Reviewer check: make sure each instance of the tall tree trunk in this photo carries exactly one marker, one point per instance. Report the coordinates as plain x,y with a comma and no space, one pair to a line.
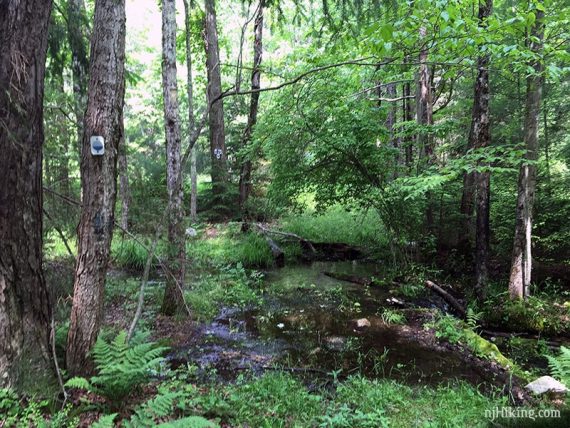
245,173
103,117
216,117
124,183
25,310
173,298
77,36
191,119
425,118
521,265
480,137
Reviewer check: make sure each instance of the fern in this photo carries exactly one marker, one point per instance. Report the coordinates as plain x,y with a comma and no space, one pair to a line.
153,410
105,421
473,318
161,407
560,365
189,422
121,367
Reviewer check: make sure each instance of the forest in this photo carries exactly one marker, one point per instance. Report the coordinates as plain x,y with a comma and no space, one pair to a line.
284,213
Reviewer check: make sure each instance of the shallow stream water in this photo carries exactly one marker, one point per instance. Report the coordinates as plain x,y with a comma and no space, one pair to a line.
312,327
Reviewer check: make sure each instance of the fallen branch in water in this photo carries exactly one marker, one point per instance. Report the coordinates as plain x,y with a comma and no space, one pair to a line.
447,297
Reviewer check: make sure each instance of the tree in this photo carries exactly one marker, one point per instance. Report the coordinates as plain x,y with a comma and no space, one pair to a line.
25,310
172,295
216,116
480,137
521,264
245,174
103,117
77,30
124,183
191,119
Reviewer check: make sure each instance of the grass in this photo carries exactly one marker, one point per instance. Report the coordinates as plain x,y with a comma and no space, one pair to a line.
230,286
279,400
338,225
227,245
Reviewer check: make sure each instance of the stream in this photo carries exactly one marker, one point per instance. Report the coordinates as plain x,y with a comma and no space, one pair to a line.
319,325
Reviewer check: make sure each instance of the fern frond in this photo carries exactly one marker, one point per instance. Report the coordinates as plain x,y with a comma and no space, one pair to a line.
189,422
79,383
105,421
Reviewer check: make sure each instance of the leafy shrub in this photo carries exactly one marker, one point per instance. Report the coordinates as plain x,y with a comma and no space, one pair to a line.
22,414
121,367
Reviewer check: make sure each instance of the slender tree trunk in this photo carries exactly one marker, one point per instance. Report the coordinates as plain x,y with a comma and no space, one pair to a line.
391,120
245,174
124,183
191,119
25,310
521,265
480,137
408,117
216,117
103,117
177,253
425,119
77,38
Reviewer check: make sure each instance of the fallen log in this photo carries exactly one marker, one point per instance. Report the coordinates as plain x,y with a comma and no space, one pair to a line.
265,230
447,297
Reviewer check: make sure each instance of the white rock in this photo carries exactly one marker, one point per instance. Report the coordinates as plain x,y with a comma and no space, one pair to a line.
191,232
362,323
281,325
546,384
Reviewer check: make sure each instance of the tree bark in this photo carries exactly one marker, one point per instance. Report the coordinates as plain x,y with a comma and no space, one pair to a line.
77,36
245,173
480,137
191,119
25,310
103,117
124,184
173,298
521,265
216,118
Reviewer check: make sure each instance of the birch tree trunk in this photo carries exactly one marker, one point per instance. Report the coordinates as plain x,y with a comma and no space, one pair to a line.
103,117
25,310
216,117
191,119
245,174
480,137
173,298
521,264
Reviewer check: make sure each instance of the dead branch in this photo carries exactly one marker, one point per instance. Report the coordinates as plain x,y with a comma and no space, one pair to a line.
447,297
